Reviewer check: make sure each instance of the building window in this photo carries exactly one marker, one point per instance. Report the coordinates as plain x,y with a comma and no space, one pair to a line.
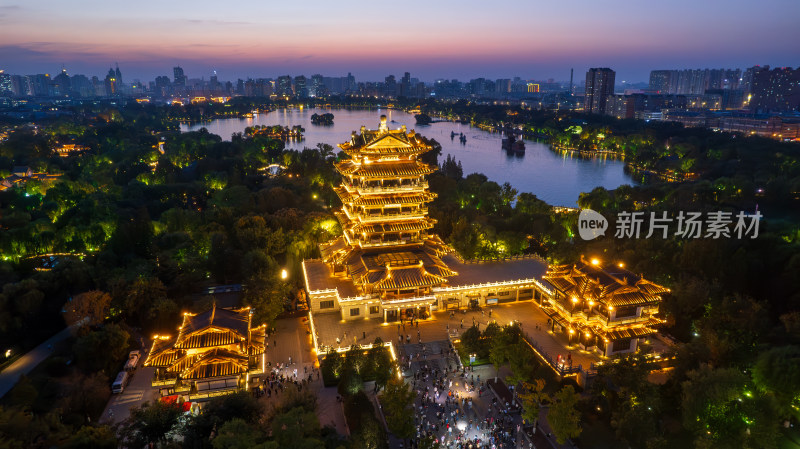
355,311
505,293
374,309
326,304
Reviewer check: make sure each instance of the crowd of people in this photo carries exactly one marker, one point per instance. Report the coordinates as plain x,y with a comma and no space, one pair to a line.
454,405
282,376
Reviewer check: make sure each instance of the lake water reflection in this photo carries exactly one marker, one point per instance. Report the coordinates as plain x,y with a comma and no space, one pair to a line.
554,178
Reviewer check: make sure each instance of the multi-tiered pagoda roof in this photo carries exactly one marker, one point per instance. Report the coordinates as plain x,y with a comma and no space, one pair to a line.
385,247
216,343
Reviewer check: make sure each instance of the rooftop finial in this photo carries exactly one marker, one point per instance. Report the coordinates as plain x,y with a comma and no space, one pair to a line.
384,128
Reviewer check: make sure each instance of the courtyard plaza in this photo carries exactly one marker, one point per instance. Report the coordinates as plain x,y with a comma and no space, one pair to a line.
441,324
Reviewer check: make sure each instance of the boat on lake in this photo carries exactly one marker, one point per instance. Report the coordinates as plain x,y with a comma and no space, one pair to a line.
511,144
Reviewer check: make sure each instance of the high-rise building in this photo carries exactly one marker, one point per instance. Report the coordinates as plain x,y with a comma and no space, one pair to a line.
776,90
405,85
179,78
746,83
599,86
660,81
390,86
317,86
162,85
62,86
300,86
6,85
112,87
284,85
82,86
39,85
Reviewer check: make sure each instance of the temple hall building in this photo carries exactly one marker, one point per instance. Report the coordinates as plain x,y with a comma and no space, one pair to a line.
602,308
214,353
387,265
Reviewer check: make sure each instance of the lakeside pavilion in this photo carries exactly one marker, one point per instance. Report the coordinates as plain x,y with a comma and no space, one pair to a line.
387,266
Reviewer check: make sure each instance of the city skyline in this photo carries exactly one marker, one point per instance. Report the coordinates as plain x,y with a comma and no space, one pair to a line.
432,40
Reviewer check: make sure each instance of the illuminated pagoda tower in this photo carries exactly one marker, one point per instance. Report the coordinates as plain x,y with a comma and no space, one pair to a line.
214,353
386,249
604,308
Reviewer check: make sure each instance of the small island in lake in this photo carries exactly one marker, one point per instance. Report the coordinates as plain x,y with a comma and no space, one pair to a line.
423,119
275,132
323,119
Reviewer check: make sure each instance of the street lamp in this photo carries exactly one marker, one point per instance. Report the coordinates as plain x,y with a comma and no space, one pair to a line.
284,274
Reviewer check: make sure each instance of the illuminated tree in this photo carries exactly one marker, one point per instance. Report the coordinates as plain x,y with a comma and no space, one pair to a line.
532,397
563,417
397,400
92,305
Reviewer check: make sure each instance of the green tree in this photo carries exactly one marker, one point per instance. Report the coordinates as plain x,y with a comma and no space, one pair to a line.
563,416
92,305
383,367
532,397
777,372
397,400
92,437
296,429
236,434
149,423
712,405
141,295
103,349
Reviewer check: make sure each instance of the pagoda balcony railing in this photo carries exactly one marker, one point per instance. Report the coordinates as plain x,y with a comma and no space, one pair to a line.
363,190
627,320
421,213
597,317
368,244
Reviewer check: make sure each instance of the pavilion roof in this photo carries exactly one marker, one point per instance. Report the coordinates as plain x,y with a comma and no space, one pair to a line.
384,142
380,170
216,363
614,287
215,327
407,277
380,200
400,226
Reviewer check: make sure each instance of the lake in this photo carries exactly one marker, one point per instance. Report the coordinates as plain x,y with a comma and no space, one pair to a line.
555,178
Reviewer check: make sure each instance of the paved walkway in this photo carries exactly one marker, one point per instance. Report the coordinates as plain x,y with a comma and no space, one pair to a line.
330,327
29,361
291,347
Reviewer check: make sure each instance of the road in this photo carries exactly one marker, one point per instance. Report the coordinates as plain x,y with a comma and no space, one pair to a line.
138,391
29,361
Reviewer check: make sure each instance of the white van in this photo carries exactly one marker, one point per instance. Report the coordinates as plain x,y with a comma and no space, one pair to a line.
133,360
120,383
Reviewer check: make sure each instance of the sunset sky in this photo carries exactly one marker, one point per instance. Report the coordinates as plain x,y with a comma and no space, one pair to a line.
431,39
